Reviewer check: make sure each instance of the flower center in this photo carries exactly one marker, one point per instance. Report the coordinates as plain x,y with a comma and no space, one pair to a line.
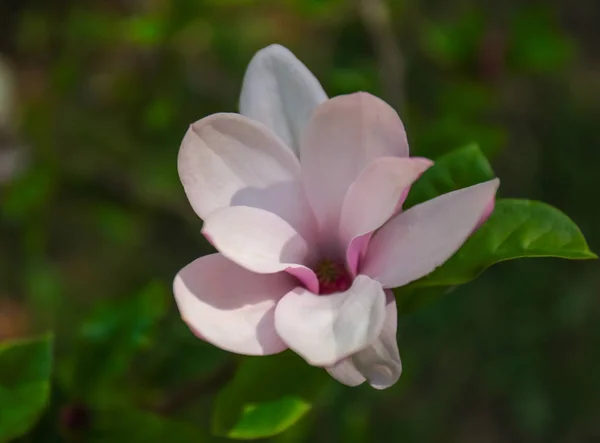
333,277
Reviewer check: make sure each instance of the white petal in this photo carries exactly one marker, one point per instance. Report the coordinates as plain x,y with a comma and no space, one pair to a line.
417,241
345,135
345,372
258,240
280,92
323,329
380,362
230,307
229,160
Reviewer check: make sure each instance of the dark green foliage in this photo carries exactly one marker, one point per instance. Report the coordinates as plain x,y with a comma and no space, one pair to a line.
25,370
94,229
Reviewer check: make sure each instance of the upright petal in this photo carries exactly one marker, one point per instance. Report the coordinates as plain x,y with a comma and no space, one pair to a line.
230,307
229,160
345,134
380,362
259,241
326,329
415,242
373,198
280,92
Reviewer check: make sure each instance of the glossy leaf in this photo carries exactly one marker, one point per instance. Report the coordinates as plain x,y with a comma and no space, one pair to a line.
516,229
459,169
267,396
25,369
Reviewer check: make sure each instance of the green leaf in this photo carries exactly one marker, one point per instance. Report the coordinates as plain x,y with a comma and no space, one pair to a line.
25,368
109,340
267,396
516,229
459,169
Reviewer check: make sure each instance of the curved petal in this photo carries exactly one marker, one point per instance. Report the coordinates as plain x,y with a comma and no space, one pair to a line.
379,363
230,307
306,276
229,160
259,241
346,373
345,134
415,242
325,329
373,198
280,92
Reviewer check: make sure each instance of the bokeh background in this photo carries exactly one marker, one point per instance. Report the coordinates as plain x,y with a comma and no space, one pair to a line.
95,97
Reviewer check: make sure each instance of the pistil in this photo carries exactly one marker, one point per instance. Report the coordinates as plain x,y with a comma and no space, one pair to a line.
333,277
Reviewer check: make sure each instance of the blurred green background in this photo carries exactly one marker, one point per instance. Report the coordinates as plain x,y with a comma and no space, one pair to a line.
95,97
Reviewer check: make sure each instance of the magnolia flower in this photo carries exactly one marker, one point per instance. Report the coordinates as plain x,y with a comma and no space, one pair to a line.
301,196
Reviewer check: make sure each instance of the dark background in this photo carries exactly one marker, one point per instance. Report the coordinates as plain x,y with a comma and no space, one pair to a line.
93,215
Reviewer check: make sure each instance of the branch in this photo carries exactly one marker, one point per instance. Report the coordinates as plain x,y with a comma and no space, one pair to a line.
375,15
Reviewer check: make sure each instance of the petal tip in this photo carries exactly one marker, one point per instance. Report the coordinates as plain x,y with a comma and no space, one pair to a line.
275,49
382,377
423,161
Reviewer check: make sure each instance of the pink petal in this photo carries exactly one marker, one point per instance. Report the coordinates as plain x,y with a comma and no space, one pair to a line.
415,242
355,252
345,134
486,213
280,92
305,276
229,306
326,329
373,198
379,363
229,160
257,240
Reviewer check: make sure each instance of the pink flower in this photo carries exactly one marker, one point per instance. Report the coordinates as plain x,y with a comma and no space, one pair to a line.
302,198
